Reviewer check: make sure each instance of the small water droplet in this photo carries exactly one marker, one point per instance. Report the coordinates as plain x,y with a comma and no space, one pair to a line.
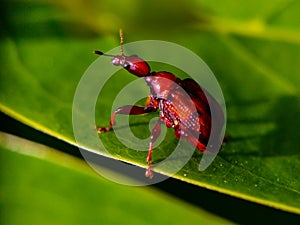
184,175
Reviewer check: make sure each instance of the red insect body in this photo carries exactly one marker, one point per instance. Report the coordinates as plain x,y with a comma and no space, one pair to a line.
183,104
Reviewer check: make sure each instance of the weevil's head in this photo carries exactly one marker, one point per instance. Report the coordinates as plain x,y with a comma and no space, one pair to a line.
133,64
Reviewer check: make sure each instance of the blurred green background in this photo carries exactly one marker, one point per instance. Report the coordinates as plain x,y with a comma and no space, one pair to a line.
252,47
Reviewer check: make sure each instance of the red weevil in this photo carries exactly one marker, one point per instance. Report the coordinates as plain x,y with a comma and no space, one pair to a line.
176,110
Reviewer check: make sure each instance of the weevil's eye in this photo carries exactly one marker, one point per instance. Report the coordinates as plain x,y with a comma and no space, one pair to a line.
126,65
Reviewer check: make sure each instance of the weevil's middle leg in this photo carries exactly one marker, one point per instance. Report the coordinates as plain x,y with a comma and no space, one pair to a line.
154,135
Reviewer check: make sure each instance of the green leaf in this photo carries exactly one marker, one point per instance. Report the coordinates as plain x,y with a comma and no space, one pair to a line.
253,49
40,185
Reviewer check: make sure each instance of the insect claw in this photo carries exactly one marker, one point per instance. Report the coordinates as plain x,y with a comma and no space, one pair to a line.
101,130
149,172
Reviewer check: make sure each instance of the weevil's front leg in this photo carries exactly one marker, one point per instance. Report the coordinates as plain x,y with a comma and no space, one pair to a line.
154,135
128,110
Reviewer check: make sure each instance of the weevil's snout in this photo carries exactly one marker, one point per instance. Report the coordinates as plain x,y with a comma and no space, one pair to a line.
133,64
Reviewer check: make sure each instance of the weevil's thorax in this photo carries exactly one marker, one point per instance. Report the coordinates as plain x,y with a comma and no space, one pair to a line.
133,64
161,84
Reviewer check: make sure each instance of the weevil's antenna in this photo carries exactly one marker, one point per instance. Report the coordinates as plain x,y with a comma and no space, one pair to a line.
101,53
121,41
121,46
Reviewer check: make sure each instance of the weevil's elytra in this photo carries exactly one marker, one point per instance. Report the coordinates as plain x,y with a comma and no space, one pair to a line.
183,104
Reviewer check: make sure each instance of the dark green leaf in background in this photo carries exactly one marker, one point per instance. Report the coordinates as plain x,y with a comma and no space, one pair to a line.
38,182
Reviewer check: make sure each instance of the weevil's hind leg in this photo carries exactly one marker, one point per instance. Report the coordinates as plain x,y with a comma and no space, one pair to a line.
154,135
202,147
128,110
195,142
190,138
